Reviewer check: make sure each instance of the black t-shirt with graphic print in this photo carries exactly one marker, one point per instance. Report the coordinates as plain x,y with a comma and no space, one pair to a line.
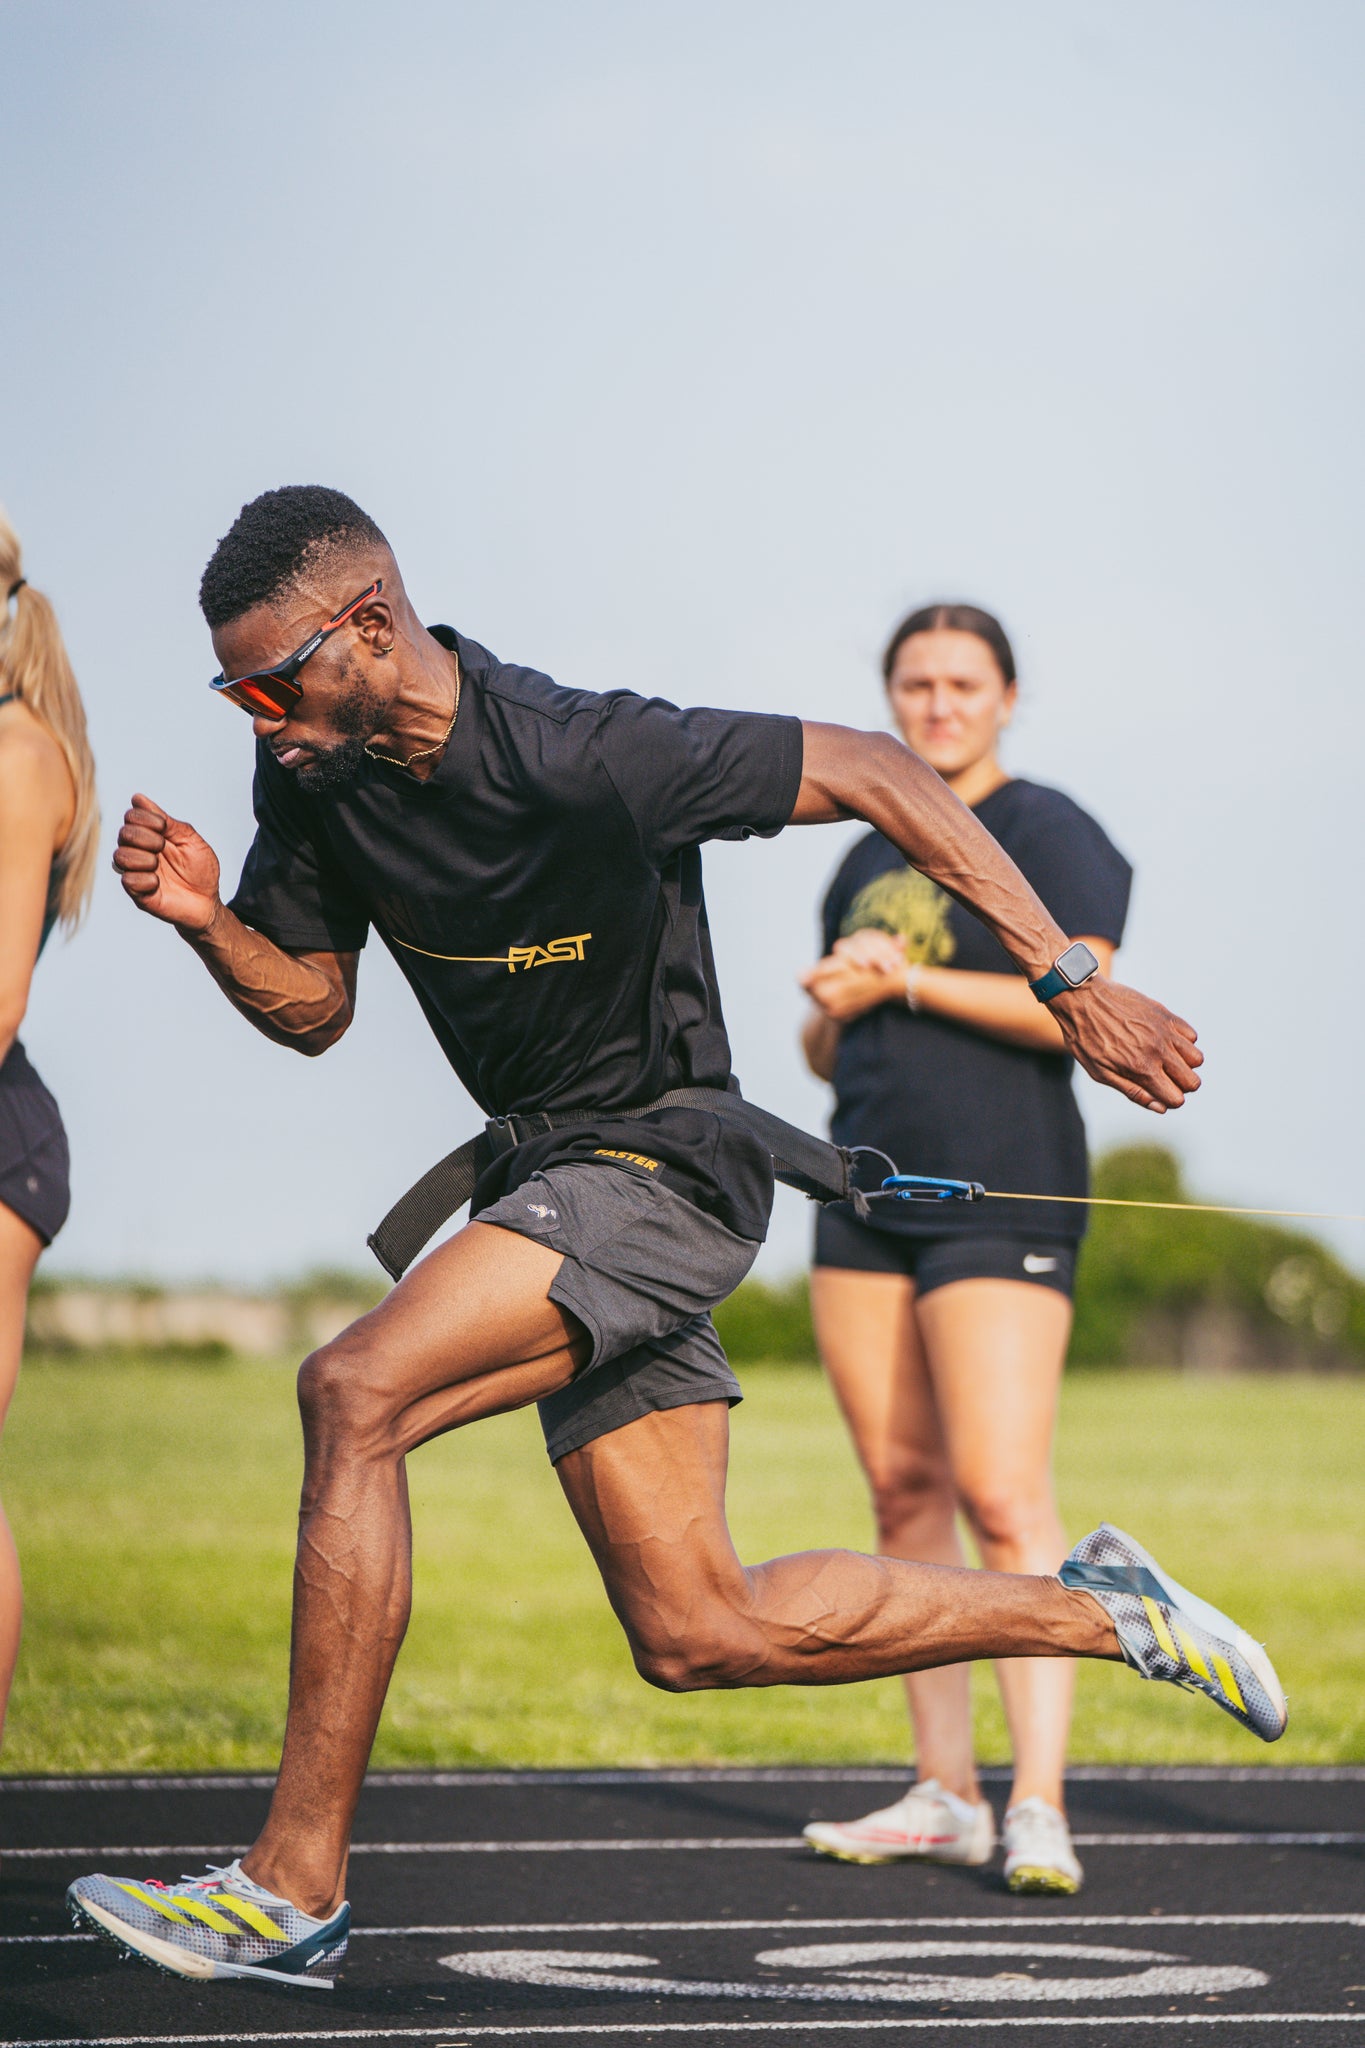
938,1096
542,894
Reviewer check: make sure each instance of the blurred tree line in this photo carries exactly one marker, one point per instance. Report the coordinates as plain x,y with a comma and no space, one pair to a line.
1206,1293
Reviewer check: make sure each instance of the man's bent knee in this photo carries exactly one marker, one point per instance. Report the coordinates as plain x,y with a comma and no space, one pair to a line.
342,1395
697,1669
725,1651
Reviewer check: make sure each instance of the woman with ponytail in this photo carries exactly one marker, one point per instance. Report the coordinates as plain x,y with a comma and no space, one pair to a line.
49,826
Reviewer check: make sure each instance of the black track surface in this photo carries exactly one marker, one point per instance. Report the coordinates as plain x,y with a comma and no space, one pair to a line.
587,1866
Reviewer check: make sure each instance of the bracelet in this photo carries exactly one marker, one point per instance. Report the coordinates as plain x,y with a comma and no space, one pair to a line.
912,980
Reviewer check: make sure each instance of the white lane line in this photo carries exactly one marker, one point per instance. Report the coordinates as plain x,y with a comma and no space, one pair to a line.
723,1774
646,2030
1260,1838
1216,1840
1148,1921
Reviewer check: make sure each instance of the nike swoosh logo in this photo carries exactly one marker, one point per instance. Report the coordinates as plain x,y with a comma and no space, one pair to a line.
1035,1263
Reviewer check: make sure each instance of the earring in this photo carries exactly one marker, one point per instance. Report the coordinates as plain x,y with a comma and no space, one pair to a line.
380,652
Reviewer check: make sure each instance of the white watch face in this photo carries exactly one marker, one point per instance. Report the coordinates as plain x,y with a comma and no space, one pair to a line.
1077,964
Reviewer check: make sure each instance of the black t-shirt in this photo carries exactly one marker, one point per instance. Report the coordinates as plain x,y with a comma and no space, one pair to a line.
938,1096
542,894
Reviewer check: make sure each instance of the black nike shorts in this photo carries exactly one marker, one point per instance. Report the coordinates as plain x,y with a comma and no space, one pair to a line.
34,1163
643,1268
841,1240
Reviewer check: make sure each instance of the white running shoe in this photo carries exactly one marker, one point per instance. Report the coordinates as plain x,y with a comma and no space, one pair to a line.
218,1925
928,1825
1166,1632
1038,1852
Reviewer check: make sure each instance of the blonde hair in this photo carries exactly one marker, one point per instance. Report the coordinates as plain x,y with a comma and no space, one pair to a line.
35,666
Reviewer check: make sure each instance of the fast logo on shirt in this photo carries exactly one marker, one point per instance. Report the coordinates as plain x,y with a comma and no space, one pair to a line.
909,906
526,957
634,1158
515,959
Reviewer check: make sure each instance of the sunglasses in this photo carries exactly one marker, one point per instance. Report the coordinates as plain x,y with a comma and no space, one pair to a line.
274,691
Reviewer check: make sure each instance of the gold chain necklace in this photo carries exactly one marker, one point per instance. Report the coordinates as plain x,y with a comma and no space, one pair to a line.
393,759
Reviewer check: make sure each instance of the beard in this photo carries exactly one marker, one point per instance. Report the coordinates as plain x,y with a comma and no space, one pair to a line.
357,715
333,769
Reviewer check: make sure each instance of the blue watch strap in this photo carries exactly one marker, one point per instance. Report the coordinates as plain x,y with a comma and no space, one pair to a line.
1049,985
1071,969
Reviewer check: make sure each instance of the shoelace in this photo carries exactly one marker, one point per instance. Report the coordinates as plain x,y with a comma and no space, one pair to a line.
1050,1833
933,1797
218,1877
1045,1823
215,1877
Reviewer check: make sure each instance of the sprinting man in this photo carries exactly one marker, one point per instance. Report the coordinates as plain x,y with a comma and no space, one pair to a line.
530,857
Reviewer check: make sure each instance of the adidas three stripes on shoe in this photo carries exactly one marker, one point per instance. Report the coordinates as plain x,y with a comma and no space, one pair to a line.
218,1925
1166,1632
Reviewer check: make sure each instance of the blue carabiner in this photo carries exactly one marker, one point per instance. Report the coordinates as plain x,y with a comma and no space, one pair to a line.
929,1187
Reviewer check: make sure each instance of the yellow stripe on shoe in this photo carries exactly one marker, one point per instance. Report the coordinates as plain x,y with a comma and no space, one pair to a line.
208,1916
184,1910
1194,1656
258,1921
1159,1628
1228,1682
158,1905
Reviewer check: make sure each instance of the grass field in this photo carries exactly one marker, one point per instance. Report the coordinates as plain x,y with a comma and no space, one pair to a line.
154,1509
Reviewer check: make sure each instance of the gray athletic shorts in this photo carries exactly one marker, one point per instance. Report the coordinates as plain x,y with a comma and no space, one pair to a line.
643,1268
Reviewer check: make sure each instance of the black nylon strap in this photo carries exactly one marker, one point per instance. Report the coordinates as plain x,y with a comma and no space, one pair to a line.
816,1168
1113,1578
418,1215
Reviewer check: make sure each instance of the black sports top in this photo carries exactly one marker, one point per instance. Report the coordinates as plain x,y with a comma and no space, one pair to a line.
938,1096
542,895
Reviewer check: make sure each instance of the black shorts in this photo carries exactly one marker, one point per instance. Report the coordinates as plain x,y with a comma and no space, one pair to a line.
34,1162
643,1268
841,1240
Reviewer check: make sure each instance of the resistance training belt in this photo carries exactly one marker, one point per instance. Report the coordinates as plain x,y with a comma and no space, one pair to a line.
811,1165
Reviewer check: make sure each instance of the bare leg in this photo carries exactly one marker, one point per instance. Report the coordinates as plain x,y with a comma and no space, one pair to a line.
996,1349
20,1248
470,1332
650,1499
868,1336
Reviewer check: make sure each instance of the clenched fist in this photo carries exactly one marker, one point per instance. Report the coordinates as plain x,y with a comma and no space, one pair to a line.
167,869
1130,1042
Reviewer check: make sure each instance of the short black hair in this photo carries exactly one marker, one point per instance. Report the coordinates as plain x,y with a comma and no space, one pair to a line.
271,541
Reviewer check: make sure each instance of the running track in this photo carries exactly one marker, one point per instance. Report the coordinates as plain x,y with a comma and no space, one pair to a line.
641,1907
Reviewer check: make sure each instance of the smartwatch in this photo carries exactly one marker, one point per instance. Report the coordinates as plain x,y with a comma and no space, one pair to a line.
1068,970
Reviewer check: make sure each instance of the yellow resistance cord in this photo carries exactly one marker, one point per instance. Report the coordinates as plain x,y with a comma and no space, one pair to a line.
1205,1208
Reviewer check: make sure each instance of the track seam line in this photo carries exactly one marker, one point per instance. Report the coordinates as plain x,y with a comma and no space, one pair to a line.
1268,1838
475,1780
939,1922
643,2029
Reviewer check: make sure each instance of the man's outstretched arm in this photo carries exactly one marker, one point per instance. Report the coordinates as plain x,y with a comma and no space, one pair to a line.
305,1000
1119,1036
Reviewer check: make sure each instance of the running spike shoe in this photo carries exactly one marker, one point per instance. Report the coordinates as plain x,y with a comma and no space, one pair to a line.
1165,1632
218,1925
1039,1857
928,1825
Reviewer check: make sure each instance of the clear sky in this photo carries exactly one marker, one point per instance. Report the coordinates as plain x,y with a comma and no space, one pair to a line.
682,347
